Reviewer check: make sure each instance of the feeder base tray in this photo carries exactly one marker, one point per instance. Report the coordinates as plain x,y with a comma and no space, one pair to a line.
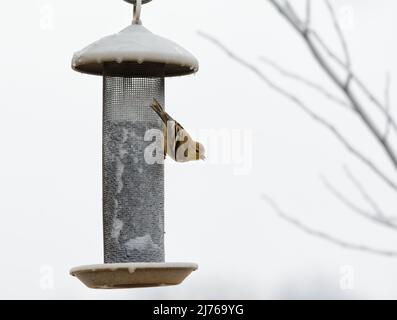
133,275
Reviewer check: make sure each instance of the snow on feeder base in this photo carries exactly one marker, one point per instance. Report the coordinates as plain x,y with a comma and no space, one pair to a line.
133,64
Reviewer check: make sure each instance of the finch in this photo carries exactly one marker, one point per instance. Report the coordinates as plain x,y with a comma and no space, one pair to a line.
177,142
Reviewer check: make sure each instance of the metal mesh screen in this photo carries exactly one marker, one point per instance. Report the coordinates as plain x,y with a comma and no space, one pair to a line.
133,191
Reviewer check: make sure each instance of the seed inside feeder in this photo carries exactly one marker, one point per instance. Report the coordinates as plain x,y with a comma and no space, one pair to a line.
133,189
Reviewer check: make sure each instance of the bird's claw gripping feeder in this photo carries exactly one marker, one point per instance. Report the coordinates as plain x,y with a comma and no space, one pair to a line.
133,64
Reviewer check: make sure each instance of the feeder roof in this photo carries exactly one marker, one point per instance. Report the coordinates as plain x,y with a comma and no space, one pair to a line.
135,51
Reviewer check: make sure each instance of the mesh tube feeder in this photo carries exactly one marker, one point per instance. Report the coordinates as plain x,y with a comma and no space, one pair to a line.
133,64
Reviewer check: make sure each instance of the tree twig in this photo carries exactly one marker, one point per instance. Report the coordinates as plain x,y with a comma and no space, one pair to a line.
285,11
323,235
387,106
354,77
359,109
342,41
364,192
308,13
290,11
306,82
307,110
353,207
306,32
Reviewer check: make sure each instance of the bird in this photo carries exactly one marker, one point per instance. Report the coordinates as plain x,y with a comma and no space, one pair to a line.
178,144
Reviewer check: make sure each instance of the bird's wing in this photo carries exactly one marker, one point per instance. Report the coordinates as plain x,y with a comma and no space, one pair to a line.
164,116
175,134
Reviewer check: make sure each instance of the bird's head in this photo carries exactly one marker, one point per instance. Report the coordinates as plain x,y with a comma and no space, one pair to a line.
200,151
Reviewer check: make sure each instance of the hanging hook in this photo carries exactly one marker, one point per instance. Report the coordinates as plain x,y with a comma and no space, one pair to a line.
137,12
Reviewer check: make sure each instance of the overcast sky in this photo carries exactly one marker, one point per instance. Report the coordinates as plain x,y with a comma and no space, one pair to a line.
50,169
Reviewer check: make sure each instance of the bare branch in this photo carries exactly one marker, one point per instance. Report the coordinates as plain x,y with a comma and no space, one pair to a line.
363,192
292,13
323,235
308,13
285,12
342,41
306,82
362,114
300,104
347,65
359,109
387,106
324,46
348,203
360,84
376,102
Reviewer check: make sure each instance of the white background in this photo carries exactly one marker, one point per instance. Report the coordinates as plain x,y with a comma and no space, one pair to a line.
50,165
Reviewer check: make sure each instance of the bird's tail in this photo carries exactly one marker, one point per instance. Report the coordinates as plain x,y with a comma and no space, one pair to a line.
156,106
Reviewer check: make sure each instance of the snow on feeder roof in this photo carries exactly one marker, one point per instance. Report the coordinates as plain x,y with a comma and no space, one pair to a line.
135,51
133,64
135,45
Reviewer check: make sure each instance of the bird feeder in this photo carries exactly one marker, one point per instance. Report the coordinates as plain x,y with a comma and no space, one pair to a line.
133,64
